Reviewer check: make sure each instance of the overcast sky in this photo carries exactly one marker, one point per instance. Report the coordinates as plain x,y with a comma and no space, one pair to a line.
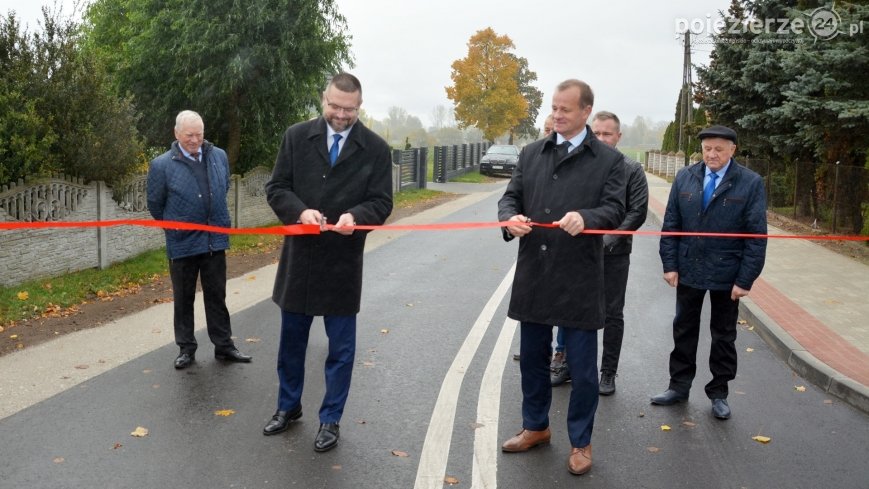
628,50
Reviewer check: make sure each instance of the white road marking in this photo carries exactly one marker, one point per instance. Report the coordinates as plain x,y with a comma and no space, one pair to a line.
485,468
436,449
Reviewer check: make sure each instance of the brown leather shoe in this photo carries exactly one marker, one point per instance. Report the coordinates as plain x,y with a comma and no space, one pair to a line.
525,440
580,460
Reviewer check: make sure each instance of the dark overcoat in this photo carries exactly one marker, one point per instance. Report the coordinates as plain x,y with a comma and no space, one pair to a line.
559,278
321,274
737,206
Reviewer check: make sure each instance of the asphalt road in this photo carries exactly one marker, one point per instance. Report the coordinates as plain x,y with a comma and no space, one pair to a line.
434,380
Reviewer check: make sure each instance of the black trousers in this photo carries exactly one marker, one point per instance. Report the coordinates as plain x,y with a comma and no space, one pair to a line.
686,332
615,282
211,269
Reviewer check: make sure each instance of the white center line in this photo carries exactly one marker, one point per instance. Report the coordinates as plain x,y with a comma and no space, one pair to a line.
436,449
485,468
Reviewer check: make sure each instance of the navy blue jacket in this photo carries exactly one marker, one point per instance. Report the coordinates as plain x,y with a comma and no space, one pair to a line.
174,195
737,206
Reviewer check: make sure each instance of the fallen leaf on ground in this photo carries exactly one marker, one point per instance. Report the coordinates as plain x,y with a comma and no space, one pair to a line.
23,295
665,427
641,415
361,421
139,432
741,393
408,304
828,401
252,277
800,388
751,328
252,340
12,337
451,480
653,449
147,371
384,331
117,445
688,424
399,453
761,439
58,460
82,367
367,364
742,321
224,412
749,350
336,467
2,329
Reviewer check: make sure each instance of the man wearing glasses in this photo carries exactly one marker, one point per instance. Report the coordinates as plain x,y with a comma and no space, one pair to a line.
329,170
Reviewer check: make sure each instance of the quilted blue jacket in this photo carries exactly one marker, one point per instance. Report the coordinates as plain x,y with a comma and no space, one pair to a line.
174,195
737,206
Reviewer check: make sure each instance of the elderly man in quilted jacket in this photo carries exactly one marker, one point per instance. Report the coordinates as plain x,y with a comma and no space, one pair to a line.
189,183
716,195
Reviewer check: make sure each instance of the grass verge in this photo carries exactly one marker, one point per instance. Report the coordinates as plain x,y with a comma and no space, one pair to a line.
36,298
409,198
471,177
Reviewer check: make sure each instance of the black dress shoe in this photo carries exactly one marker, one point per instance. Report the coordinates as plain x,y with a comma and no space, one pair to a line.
669,397
327,437
281,421
184,360
607,385
720,409
232,355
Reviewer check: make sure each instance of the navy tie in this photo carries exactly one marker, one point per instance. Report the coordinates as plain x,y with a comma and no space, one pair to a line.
709,189
563,149
333,151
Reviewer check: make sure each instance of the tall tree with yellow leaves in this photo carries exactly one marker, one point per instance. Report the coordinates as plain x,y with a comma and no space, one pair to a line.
485,89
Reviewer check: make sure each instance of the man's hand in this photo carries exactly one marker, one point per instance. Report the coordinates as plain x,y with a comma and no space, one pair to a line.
311,216
671,278
572,222
738,292
521,228
344,224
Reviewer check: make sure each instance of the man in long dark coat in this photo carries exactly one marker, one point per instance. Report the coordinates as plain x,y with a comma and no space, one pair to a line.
577,182
329,170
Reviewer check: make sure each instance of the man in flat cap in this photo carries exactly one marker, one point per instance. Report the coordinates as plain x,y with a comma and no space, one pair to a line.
716,195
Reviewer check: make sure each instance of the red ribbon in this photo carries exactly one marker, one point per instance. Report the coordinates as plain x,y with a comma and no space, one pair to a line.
309,229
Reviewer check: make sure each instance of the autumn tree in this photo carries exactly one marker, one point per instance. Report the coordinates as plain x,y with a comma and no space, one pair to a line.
485,88
249,68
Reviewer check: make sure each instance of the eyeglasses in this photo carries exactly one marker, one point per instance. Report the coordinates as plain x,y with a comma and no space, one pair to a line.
338,108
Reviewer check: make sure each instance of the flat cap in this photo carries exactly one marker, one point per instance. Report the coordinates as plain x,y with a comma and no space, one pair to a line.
718,132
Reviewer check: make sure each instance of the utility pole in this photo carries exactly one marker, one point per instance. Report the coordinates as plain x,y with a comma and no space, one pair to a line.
686,104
